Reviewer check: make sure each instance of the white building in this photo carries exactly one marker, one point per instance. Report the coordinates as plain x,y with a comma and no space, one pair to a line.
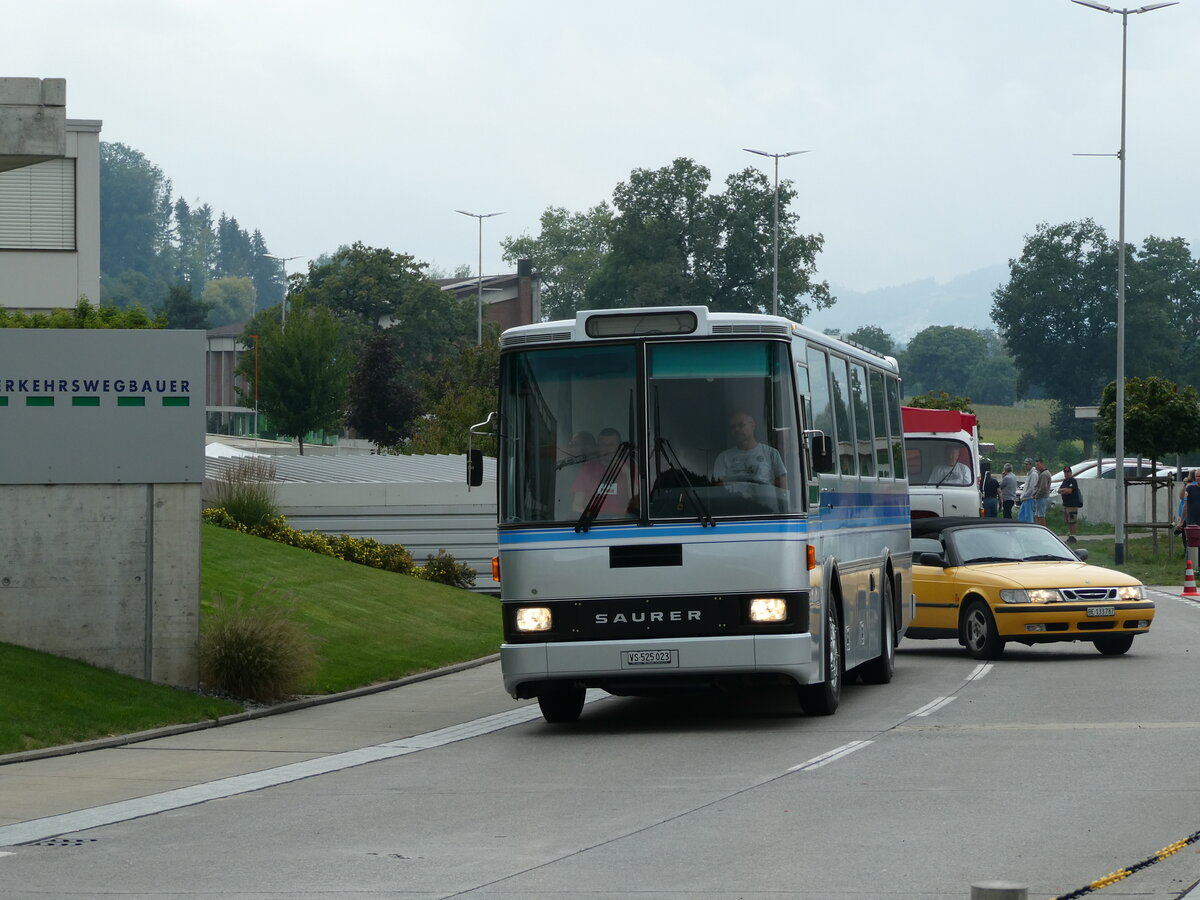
49,198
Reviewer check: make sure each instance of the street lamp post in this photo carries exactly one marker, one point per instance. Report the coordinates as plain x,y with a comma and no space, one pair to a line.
255,336
283,261
479,298
1119,441
775,224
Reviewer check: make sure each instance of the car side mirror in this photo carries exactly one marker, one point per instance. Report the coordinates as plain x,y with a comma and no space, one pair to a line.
933,559
1082,554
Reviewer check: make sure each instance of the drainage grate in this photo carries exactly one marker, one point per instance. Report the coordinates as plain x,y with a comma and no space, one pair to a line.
64,842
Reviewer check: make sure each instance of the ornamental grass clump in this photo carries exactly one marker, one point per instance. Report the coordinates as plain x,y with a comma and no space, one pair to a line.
255,650
246,491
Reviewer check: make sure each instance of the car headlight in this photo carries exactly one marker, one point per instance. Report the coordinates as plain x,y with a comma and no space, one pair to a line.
1131,592
1037,595
533,618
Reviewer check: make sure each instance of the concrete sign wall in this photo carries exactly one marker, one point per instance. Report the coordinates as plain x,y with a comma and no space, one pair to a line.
101,470
96,406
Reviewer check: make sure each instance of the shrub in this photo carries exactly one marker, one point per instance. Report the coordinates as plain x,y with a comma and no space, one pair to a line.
246,491
255,651
364,551
445,569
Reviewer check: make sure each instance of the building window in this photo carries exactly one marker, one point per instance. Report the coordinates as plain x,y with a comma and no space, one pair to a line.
37,206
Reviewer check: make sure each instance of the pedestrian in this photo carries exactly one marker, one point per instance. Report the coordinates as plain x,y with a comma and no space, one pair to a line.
1028,489
1181,520
1041,498
1191,501
1072,501
1009,486
991,494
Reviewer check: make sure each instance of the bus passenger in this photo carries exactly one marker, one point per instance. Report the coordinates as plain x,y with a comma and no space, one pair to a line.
619,494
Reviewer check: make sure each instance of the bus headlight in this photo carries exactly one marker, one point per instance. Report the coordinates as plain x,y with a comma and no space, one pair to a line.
768,609
533,618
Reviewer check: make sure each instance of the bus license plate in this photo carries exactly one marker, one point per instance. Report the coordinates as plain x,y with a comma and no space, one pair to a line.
648,657
1094,611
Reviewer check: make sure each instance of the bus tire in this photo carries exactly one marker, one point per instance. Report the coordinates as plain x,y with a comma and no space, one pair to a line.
822,699
561,701
881,668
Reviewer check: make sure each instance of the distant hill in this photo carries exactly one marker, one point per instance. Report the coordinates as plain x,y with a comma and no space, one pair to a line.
904,310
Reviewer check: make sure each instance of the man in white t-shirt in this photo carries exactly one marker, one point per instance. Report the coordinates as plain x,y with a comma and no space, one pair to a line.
748,460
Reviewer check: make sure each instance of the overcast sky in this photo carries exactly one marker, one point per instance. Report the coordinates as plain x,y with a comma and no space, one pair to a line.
941,131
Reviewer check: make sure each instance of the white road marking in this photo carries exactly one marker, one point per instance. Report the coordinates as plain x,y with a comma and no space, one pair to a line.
932,706
123,811
824,759
980,670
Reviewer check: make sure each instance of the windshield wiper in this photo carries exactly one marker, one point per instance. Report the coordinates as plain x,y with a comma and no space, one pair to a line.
990,559
1047,557
592,509
663,446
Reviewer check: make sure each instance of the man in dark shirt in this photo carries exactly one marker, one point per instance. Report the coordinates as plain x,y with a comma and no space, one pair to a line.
1072,500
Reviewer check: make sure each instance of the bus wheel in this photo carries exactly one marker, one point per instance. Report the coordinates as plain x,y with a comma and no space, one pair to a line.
881,668
1114,646
822,699
980,635
561,701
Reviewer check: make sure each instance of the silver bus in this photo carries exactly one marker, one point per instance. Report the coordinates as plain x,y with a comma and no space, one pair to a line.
691,499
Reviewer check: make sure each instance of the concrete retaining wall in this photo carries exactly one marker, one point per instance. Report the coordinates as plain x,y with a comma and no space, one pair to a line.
106,574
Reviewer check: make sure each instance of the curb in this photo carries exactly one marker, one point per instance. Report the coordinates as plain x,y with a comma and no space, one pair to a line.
290,706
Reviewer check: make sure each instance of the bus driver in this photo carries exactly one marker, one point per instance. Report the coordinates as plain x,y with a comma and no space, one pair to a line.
748,460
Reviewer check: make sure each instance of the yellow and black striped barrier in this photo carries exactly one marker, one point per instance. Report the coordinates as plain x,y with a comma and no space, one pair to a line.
1122,874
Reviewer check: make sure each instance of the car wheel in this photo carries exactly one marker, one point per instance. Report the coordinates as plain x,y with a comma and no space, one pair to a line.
980,635
1114,646
822,699
881,668
561,701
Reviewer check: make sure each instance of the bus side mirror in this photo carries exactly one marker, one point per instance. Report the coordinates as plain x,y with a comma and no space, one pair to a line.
474,468
822,453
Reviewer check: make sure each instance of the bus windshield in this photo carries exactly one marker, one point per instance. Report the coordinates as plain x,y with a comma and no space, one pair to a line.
623,432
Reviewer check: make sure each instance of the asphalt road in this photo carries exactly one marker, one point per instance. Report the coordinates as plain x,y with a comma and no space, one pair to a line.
1051,767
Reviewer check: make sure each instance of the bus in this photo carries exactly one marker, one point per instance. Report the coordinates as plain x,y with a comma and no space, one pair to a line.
695,499
943,451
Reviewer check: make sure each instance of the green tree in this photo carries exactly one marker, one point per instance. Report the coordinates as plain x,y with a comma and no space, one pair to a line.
459,394
667,240
874,337
382,397
183,310
941,400
1057,312
1160,419
993,380
941,356
83,315
230,300
135,201
302,370
567,254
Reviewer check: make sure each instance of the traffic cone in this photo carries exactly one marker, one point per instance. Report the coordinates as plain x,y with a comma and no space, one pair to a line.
1189,582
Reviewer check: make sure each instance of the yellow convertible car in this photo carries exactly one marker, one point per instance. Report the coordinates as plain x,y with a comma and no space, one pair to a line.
985,582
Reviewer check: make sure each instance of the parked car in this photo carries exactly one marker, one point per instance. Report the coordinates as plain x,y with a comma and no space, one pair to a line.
985,582
1093,468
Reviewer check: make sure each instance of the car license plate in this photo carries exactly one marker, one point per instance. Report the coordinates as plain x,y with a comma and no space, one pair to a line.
648,657
1094,611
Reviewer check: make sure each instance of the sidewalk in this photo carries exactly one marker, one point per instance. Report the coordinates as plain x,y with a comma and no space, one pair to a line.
82,776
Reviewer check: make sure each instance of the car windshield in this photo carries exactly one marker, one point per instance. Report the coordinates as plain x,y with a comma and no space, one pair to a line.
1012,543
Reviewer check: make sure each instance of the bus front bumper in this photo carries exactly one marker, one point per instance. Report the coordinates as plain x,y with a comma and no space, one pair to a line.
597,663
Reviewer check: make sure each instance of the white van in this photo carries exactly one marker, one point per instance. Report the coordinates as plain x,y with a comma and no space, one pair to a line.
942,447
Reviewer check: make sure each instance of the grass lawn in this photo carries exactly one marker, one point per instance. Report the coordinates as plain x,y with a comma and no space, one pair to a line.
369,626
